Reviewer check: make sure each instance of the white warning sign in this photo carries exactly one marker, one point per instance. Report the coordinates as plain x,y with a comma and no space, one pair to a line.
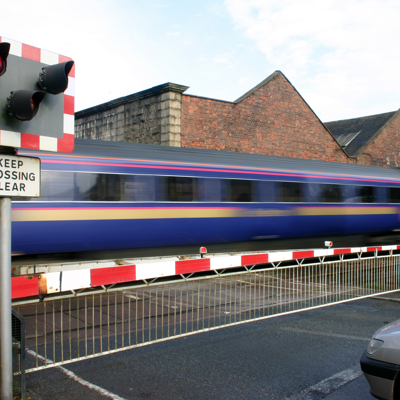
19,176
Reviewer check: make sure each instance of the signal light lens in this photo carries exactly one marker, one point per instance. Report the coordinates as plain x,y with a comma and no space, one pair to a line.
4,50
203,250
24,104
54,78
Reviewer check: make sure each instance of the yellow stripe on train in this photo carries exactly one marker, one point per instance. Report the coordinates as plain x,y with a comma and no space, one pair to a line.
83,214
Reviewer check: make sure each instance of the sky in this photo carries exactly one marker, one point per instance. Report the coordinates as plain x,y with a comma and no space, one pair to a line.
342,56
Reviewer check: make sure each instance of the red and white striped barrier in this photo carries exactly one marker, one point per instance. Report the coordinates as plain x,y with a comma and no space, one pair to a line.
103,273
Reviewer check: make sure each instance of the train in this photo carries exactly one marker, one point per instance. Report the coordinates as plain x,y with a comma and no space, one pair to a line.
113,196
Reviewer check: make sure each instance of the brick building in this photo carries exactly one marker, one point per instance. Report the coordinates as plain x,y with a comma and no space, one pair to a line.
272,119
371,140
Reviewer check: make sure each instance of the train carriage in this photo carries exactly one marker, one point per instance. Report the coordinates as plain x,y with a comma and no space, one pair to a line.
115,196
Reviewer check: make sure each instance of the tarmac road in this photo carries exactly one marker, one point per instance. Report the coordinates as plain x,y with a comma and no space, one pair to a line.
308,355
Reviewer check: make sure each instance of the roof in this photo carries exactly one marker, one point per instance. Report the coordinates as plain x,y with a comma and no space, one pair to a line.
353,134
154,91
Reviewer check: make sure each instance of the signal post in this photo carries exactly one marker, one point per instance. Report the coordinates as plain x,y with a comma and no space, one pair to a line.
36,112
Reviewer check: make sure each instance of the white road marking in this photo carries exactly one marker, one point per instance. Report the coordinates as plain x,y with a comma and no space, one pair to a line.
328,385
76,378
335,335
333,383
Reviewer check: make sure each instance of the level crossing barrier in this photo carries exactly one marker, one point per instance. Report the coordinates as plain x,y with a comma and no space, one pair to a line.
195,295
44,279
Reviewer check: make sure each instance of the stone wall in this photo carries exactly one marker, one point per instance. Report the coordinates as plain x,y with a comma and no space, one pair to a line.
152,116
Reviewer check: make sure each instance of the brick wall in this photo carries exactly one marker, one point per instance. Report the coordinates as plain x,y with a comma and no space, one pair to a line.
270,119
384,148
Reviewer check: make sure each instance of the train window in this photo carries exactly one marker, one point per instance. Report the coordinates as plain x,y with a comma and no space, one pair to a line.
266,191
57,186
239,190
394,195
312,192
367,194
210,190
97,187
128,188
84,185
106,188
381,194
290,192
350,194
331,193
145,188
180,188
81,186
137,188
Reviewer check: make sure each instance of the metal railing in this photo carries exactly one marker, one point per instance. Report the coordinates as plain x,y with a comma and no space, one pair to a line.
66,329
18,354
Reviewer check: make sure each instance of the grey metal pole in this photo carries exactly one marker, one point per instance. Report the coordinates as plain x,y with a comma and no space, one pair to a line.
5,300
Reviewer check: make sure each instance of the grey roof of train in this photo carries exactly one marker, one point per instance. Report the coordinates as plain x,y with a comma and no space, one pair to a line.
353,134
190,155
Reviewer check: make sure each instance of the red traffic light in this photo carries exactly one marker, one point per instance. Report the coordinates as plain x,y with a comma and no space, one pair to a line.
24,104
54,78
4,50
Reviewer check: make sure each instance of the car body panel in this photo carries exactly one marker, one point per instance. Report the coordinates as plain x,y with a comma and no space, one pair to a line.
381,368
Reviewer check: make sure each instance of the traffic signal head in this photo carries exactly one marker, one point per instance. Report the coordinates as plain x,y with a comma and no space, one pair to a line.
54,78
4,50
36,98
24,104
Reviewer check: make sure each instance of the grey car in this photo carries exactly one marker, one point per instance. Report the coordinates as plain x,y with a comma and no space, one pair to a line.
381,362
